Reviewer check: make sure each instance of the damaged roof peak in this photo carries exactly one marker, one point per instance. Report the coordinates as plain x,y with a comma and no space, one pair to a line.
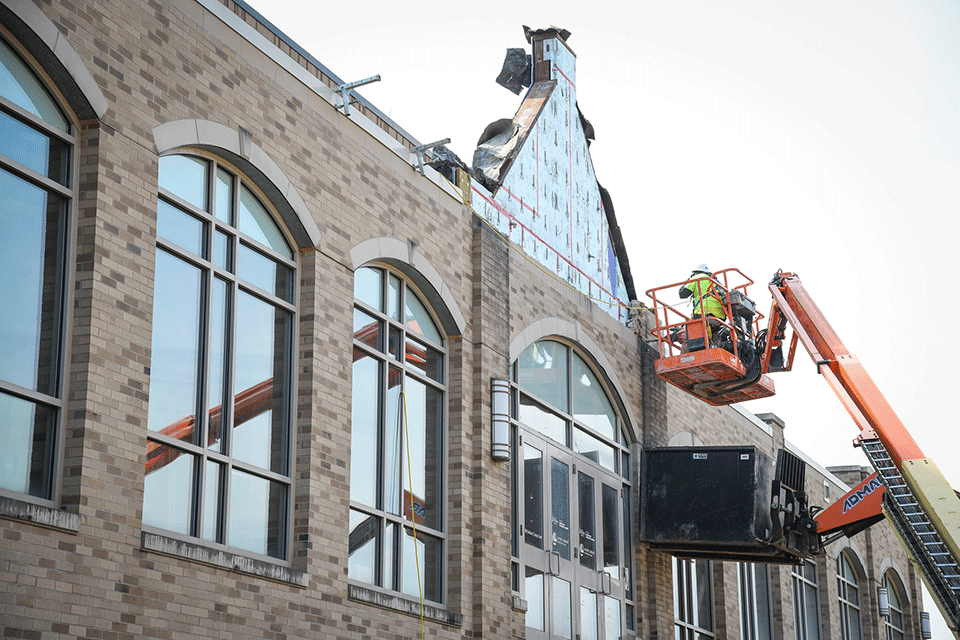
530,34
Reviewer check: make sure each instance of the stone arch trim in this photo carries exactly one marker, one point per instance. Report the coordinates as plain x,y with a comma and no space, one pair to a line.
59,60
854,553
888,564
406,257
575,333
237,146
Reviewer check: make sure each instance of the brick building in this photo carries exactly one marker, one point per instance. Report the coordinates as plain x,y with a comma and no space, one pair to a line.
275,379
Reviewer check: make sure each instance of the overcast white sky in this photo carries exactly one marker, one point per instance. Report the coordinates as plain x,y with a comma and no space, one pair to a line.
818,137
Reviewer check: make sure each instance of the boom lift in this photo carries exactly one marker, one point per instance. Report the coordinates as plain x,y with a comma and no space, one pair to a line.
727,361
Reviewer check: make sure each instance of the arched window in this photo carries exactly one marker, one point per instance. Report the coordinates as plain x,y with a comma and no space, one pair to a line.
894,625
848,588
806,601
572,466
221,375
37,181
397,437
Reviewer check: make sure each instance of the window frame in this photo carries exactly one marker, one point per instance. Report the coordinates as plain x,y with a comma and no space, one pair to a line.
621,475
844,585
66,264
895,590
211,272
800,605
386,359
750,603
686,596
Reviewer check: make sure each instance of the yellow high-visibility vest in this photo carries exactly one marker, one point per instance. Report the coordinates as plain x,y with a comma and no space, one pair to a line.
706,296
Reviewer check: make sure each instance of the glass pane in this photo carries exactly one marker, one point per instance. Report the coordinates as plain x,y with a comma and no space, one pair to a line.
418,320
627,545
211,502
395,478
547,423
185,177
256,222
391,570
533,495
609,515
365,420
395,347
427,551
222,251
704,611
366,329
265,273
764,624
589,629
261,383
180,228
562,623
35,150
424,413
560,507
611,618
588,522
174,381
224,204
168,488
590,403
257,508
423,358
32,238
533,590
593,449
368,287
27,440
364,534
20,86
393,297
810,610
219,314
542,370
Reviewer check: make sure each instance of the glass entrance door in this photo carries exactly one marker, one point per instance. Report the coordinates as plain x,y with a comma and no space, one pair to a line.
571,544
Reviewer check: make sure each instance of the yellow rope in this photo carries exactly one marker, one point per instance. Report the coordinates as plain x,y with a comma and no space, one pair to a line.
413,515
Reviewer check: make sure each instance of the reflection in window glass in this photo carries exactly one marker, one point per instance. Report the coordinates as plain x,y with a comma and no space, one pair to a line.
692,599
364,533
27,440
611,617
893,623
560,507
185,177
21,87
419,320
533,589
256,509
588,521
562,618
805,601
590,403
542,370
174,380
594,449
398,421
533,506
255,221
34,223
31,267
848,590
589,627
168,490
220,374
534,416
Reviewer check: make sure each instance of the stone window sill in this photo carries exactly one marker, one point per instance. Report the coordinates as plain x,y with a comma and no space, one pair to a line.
39,514
223,559
401,604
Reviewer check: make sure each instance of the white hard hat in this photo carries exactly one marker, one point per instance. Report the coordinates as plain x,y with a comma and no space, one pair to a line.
703,268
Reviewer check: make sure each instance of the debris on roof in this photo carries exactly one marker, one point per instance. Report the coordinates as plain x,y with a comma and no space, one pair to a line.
516,71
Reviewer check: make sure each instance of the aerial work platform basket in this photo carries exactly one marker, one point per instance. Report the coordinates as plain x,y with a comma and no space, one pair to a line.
716,359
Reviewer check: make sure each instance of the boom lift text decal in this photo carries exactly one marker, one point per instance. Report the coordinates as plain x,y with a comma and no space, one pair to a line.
855,498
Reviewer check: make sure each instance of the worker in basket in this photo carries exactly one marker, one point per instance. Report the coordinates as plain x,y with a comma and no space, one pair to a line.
706,302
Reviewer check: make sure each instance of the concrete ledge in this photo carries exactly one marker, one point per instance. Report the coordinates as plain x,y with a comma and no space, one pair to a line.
222,559
403,605
38,514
